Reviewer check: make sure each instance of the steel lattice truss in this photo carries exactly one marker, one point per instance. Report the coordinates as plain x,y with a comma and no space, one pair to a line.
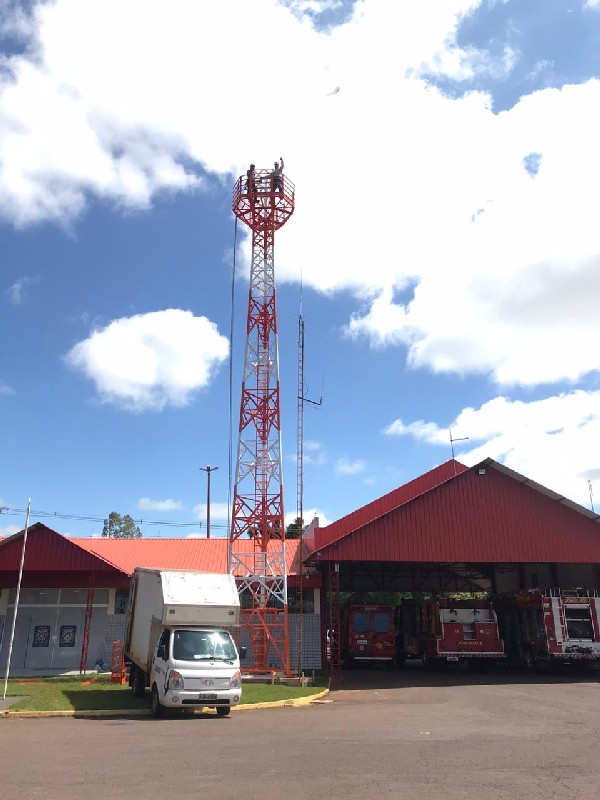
257,538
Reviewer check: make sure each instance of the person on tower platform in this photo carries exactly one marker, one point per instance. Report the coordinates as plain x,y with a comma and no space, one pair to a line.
278,175
251,180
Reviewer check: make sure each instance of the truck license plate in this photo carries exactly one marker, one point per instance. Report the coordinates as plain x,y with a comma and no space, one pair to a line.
206,696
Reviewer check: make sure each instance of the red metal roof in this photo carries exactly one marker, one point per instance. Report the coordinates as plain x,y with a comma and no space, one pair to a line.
498,516
390,501
208,555
48,550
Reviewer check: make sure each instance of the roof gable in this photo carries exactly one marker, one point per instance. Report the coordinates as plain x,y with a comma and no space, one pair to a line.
47,551
485,514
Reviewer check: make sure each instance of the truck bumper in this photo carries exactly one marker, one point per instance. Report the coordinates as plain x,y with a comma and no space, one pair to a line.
185,699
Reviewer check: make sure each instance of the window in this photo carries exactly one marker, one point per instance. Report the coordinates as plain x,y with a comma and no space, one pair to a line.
121,600
360,621
382,622
308,601
579,622
164,642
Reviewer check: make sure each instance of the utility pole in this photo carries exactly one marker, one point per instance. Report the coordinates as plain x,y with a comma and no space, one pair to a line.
208,470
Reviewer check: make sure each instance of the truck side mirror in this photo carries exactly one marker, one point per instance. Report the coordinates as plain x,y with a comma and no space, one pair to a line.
243,652
161,652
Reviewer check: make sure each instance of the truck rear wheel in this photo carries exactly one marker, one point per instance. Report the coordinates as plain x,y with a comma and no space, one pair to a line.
138,684
157,709
223,711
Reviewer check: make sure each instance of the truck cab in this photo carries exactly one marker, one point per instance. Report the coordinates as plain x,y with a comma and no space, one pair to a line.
195,668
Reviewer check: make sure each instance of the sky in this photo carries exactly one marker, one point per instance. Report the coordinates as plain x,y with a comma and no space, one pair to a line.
444,251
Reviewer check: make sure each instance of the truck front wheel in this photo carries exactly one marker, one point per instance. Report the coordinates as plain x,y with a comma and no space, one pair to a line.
138,684
223,711
158,710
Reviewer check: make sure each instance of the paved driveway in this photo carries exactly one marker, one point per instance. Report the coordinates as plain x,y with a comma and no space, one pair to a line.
381,735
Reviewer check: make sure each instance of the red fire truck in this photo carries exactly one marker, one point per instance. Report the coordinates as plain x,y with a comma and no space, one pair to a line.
442,631
367,634
554,626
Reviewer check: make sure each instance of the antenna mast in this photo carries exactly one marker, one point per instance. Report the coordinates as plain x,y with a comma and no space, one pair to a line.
264,201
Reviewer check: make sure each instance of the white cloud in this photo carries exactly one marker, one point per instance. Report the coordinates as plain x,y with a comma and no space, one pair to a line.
422,194
17,293
218,511
553,441
147,504
9,530
5,389
344,466
152,360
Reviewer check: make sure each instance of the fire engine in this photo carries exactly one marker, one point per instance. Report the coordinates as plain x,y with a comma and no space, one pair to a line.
551,626
367,634
442,631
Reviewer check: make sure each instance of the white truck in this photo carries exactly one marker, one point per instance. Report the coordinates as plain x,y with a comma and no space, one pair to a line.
178,640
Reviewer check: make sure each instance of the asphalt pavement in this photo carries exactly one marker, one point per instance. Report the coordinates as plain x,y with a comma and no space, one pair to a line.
379,735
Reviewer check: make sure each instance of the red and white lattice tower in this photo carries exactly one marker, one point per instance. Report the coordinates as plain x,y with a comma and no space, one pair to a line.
257,538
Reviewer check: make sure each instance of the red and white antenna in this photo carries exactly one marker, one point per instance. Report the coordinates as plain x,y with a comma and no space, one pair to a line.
263,201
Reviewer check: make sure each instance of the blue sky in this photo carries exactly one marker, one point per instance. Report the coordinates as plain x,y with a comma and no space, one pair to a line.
446,231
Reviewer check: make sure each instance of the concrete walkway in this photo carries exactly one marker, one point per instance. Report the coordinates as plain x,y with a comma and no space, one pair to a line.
6,704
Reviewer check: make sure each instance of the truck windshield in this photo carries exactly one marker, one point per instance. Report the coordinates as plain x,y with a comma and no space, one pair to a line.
203,646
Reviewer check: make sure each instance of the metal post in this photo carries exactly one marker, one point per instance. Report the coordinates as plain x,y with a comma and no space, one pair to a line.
14,622
208,470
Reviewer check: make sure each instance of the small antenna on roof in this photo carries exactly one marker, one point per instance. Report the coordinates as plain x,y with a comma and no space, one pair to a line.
452,440
591,496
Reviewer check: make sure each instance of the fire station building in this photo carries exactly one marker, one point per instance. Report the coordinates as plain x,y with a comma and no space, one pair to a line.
452,529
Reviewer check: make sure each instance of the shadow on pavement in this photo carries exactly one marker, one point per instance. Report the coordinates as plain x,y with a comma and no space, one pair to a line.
415,674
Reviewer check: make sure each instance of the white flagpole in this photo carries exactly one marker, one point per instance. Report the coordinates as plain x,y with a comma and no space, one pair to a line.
14,622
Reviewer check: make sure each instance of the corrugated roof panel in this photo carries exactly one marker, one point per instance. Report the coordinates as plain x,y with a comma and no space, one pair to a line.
388,502
488,518
206,555
49,551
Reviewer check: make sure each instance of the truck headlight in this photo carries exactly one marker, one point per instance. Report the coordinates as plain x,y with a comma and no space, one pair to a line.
236,680
175,680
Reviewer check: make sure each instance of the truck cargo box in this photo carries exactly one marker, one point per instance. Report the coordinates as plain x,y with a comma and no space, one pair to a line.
184,598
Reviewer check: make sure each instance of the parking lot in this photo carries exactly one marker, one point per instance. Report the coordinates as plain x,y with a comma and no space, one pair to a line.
381,734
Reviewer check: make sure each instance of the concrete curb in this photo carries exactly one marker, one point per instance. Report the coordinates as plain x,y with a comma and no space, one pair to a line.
143,712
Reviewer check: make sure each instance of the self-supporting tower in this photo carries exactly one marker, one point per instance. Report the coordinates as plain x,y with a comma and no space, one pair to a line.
264,202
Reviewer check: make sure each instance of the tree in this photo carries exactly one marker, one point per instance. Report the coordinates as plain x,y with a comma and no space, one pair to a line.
120,527
294,529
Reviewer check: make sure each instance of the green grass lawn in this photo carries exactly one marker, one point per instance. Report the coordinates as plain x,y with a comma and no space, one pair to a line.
95,693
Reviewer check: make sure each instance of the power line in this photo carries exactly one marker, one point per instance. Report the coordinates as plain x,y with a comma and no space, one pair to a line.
11,511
